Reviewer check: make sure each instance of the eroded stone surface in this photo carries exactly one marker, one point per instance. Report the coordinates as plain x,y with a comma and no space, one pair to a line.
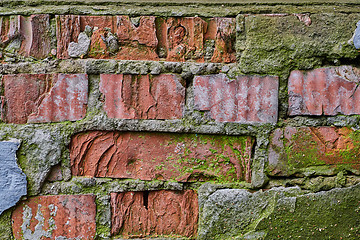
143,96
141,214
55,217
44,97
314,151
149,156
246,99
278,42
324,91
282,213
13,184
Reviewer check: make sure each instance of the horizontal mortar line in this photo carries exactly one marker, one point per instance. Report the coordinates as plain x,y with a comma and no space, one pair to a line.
173,11
177,3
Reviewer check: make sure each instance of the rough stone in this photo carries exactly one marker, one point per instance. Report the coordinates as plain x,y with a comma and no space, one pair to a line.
44,97
55,217
141,214
143,96
149,156
42,146
80,48
314,151
324,91
356,38
247,99
280,213
13,184
192,38
275,44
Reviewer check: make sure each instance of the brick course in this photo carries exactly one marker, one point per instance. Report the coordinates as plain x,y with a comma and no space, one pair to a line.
150,156
33,98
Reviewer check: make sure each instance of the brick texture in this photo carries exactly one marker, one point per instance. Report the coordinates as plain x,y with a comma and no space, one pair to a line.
44,97
150,38
247,99
294,149
149,156
193,38
141,214
324,91
29,36
143,96
55,217
136,42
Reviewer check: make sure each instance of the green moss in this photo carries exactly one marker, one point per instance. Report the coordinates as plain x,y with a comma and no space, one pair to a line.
5,225
103,221
331,215
276,45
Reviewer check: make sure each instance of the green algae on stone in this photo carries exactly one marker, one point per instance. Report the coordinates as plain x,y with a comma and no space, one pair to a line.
5,225
283,213
275,44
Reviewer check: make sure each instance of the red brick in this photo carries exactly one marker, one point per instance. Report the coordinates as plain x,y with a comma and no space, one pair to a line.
33,31
10,28
163,156
177,39
184,38
44,97
294,149
49,217
324,91
136,42
143,96
141,214
246,99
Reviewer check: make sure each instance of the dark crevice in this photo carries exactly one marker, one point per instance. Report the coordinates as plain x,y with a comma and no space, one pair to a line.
146,199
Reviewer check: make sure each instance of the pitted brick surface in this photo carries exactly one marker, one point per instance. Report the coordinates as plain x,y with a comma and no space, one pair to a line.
246,99
55,217
143,96
141,214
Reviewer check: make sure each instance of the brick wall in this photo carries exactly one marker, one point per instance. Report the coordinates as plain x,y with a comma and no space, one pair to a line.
188,120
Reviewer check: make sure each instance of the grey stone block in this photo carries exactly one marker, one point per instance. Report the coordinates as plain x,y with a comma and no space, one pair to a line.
12,180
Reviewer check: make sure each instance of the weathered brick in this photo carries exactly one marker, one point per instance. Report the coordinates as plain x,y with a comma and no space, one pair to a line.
247,99
29,36
143,96
148,38
323,150
186,38
141,214
163,156
324,91
55,217
44,97
136,42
